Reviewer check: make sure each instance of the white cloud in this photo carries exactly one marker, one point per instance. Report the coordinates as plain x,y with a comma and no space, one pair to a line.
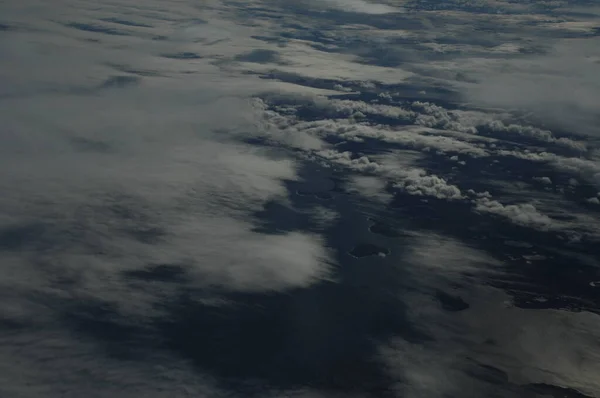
436,368
562,86
433,255
417,182
116,158
593,200
372,188
323,217
413,181
303,60
192,189
524,214
587,169
161,141
47,361
498,126
436,116
349,107
346,159
126,151
360,6
414,137
543,180
483,350
459,360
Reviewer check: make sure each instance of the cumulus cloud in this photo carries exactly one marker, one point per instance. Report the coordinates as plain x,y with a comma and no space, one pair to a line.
349,107
347,159
593,200
543,180
360,6
497,126
432,115
524,214
413,137
413,181
588,169
418,182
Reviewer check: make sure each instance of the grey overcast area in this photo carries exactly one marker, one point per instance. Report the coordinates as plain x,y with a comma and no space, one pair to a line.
300,198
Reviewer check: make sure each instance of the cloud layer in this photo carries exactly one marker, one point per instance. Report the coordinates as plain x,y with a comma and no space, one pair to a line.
186,189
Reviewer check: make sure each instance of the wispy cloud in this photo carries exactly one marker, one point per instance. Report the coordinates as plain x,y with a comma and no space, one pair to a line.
561,86
361,6
118,159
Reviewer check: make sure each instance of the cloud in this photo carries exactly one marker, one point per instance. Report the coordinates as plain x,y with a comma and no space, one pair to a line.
40,361
543,180
299,59
523,214
561,86
119,162
346,159
588,169
432,115
167,143
497,126
461,359
350,107
437,366
413,181
434,255
371,187
483,350
150,197
413,137
138,209
417,182
593,200
359,6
